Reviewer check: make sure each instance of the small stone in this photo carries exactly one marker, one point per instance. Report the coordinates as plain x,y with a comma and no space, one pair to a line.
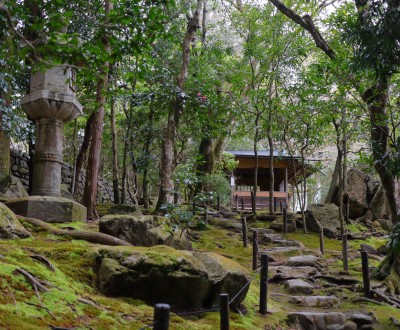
368,248
270,238
299,286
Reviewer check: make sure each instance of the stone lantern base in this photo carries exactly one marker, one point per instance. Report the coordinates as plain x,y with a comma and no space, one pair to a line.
48,208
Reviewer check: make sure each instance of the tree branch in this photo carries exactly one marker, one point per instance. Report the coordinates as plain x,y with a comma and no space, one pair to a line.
307,23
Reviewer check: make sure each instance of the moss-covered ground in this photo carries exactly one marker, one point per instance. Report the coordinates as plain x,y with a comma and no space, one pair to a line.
73,301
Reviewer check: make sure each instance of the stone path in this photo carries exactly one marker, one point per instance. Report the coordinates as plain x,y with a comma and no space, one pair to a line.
308,287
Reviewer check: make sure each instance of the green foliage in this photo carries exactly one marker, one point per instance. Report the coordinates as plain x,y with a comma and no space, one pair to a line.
216,185
394,241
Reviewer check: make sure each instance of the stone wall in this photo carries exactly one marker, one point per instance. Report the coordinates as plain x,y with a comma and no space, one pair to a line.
19,168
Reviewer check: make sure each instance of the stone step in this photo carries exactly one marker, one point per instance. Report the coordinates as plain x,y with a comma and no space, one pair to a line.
299,286
330,321
315,301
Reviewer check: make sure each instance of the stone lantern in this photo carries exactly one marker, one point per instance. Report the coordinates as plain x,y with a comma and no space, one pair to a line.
51,103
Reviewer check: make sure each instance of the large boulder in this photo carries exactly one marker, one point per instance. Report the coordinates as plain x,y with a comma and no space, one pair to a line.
10,227
11,187
184,279
324,216
143,230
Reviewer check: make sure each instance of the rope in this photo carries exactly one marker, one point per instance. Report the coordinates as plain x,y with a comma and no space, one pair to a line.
246,285
202,311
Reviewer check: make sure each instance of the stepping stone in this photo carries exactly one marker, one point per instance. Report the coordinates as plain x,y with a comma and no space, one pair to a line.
302,261
282,273
330,321
368,248
315,301
285,242
270,238
299,286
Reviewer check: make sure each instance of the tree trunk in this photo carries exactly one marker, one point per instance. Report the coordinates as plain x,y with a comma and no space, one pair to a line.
81,158
4,150
255,180
114,154
206,153
376,98
167,153
271,169
218,151
90,192
146,153
334,181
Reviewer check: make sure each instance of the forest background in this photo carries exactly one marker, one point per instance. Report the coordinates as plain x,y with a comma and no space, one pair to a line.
167,86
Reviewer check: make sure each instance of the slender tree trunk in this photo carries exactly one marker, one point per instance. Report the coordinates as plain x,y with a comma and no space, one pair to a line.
4,150
114,153
90,192
167,154
334,182
206,153
376,98
146,153
271,168
218,150
81,158
255,180
128,113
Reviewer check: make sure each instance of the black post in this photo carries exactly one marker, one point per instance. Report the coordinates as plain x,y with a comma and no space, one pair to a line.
218,203
321,241
344,253
224,311
161,317
264,284
241,200
194,208
284,215
255,249
365,270
281,205
244,232
237,203
253,203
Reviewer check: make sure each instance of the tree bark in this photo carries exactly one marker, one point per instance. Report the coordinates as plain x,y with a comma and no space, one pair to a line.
114,154
81,158
376,97
4,150
90,192
166,195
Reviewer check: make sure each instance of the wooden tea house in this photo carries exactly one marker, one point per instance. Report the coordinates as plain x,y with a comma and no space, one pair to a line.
287,171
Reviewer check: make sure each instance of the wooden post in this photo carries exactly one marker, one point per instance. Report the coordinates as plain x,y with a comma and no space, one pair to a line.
224,311
264,284
365,271
253,203
321,241
344,253
161,317
281,205
284,215
244,232
194,208
241,200
237,203
218,203
255,249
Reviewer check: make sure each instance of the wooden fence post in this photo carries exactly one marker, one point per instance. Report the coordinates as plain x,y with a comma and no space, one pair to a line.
242,202
244,232
284,215
365,271
321,241
194,208
255,249
224,311
264,284
161,317
218,203
344,253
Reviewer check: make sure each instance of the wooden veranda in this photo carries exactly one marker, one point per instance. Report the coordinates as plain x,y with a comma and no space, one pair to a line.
287,172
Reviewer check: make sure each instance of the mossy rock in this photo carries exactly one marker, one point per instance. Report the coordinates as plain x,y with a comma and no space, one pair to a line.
10,227
183,279
143,230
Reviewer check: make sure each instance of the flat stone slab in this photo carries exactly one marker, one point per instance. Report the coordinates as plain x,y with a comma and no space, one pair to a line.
48,208
281,273
329,321
315,301
285,242
299,286
302,261
270,238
